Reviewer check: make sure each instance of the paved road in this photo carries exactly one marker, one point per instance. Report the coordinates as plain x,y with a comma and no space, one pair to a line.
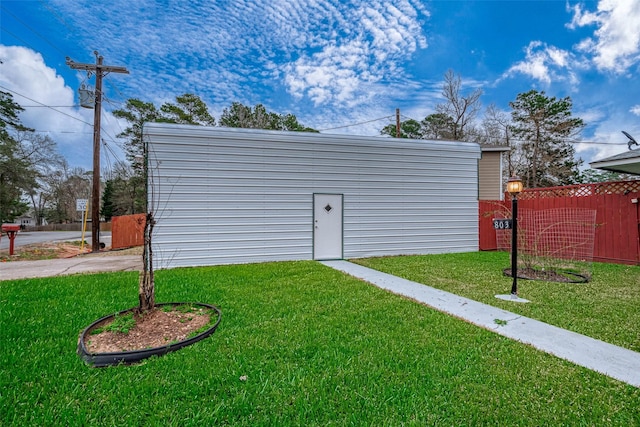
32,237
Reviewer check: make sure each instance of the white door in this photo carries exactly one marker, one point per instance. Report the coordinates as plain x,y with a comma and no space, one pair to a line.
327,226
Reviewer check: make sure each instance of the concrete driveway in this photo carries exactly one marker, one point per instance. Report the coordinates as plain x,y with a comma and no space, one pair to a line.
91,263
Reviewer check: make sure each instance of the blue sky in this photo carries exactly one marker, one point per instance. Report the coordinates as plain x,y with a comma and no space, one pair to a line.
333,64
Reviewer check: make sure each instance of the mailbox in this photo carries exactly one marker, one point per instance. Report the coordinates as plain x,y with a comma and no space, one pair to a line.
12,231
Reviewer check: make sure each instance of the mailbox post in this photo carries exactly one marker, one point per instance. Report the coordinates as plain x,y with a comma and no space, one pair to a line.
12,231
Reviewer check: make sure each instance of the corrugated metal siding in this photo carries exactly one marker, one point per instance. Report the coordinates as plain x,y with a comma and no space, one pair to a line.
238,195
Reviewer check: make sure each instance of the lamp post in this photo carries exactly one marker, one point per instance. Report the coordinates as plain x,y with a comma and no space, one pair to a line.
514,187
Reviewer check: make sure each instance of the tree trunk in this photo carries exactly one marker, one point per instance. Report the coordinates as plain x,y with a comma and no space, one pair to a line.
146,290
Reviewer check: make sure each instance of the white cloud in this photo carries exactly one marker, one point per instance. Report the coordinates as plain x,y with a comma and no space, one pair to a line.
377,37
615,45
635,110
35,86
324,50
546,64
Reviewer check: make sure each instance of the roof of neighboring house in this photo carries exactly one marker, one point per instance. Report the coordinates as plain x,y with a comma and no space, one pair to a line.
627,162
493,147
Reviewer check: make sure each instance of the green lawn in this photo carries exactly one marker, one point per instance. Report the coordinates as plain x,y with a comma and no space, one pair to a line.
606,308
316,347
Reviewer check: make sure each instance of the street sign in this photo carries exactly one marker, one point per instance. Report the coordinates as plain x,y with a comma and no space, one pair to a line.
81,204
502,224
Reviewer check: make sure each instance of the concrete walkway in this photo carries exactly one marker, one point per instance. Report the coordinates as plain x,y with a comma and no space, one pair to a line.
613,361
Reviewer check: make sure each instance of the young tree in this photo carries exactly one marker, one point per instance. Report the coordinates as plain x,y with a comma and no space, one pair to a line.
137,113
542,124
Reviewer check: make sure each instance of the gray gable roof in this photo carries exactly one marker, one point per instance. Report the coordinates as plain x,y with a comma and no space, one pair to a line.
626,162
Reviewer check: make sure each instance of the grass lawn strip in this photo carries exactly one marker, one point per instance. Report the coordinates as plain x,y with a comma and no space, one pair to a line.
300,344
606,308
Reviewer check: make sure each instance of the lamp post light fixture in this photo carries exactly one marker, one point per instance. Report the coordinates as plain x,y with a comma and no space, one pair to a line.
514,187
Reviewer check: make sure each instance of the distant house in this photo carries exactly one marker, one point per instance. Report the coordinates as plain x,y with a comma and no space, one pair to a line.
490,170
227,195
26,221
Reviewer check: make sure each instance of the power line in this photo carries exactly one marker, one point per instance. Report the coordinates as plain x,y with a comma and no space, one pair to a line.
61,112
107,158
59,18
115,88
595,142
60,131
56,15
19,38
50,106
117,122
356,124
44,105
32,30
409,118
572,141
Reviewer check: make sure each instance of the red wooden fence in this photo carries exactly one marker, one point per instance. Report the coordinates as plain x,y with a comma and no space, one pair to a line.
127,231
617,237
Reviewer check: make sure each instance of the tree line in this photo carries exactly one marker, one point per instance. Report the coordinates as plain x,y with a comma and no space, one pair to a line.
539,131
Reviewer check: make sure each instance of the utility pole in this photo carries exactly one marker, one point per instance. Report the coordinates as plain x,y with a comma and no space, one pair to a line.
397,123
100,71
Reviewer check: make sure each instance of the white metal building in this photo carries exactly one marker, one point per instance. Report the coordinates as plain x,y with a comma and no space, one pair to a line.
226,195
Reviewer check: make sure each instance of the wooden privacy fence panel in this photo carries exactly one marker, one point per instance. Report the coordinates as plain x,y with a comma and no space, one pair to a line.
490,209
127,231
617,237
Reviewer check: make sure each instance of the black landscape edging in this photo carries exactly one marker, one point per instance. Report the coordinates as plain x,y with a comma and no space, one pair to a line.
99,360
566,276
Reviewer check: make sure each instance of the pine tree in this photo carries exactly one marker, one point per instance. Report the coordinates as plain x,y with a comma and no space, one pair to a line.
541,127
